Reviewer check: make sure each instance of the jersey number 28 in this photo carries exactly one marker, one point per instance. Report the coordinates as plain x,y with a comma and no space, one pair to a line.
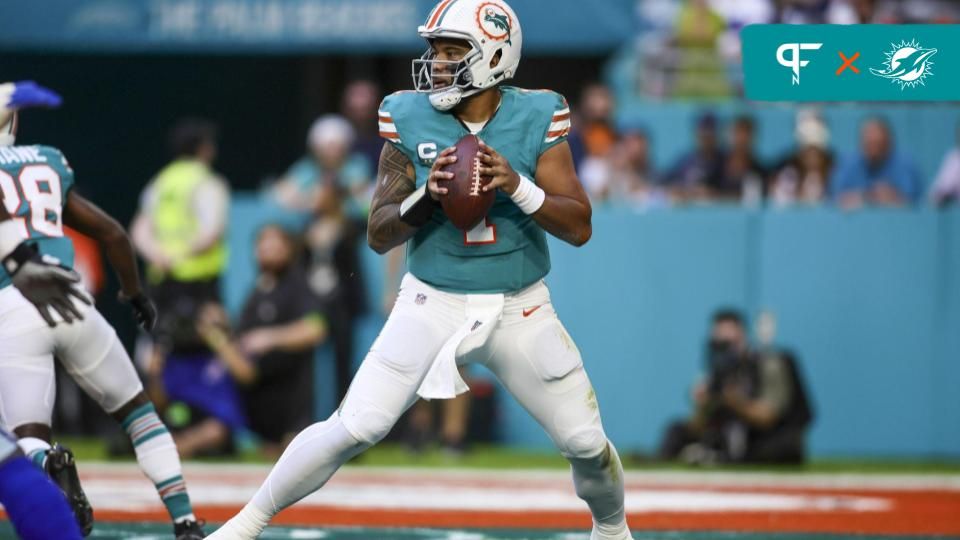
39,186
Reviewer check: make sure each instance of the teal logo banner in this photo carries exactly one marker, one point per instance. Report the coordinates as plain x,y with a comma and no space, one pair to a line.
861,62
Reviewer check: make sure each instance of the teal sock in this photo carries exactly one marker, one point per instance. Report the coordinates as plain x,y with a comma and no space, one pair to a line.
35,449
158,459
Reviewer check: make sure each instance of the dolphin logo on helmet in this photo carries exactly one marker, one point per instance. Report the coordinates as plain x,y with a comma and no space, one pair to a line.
489,27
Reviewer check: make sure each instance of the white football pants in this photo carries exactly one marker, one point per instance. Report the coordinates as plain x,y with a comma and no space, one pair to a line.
89,350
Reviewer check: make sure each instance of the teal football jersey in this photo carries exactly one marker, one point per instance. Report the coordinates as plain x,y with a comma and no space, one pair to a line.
35,181
507,251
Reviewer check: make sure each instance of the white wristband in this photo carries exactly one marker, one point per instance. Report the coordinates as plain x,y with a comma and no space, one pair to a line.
528,196
11,235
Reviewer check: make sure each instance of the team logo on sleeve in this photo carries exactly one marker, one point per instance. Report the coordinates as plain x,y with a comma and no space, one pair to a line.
495,22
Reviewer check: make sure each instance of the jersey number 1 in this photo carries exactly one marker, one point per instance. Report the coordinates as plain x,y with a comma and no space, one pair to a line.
482,233
40,187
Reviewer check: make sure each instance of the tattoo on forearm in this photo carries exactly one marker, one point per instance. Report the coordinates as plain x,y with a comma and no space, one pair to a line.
396,180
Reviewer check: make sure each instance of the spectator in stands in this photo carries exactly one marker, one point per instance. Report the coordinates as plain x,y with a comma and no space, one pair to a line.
946,185
802,178
751,408
330,165
878,175
633,180
336,278
701,72
332,187
359,106
278,332
893,11
743,174
593,137
802,11
700,171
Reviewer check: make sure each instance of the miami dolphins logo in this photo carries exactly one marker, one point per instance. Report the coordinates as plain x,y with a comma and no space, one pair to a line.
495,22
907,64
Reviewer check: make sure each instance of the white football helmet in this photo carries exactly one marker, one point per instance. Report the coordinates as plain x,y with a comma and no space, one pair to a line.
489,26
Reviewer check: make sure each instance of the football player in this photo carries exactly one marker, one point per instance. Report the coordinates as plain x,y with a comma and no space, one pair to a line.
36,182
47,286
475,296
36,507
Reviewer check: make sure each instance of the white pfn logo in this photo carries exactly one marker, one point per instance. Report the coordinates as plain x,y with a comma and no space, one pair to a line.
794,62
907,64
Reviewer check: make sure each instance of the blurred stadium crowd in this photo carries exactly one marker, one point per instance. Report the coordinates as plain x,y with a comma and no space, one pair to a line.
616,166
691,48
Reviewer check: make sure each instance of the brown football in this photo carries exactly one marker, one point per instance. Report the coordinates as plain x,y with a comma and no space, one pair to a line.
465,203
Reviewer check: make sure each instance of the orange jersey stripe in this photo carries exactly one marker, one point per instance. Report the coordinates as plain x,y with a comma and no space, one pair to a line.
390,135
558,133
387,120
560,117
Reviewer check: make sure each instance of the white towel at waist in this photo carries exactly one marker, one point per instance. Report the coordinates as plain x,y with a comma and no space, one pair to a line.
443,380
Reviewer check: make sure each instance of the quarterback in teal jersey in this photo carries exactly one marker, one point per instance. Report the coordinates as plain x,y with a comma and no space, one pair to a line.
38,199
469,297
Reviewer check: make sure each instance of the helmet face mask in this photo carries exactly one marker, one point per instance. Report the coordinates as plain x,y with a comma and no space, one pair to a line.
447,81
489,28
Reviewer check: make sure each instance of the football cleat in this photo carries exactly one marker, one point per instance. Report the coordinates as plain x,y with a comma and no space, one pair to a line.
62,469
188,530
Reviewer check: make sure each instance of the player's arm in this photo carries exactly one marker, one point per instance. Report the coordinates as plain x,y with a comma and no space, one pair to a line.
212,328
557,202
301,334
45,285
90,220
396,181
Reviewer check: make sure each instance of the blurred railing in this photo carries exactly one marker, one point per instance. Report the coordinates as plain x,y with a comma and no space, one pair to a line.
869,300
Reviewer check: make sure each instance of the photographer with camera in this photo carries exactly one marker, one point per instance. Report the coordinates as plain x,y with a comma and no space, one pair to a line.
751,408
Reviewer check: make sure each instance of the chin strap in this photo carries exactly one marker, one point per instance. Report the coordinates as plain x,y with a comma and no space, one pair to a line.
448,98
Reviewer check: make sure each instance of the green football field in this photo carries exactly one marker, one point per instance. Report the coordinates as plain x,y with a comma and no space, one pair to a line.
163,532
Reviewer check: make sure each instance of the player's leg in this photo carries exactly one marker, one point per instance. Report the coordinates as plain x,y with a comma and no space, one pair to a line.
35,506
27,379
383,388
94,357
539,364
27,390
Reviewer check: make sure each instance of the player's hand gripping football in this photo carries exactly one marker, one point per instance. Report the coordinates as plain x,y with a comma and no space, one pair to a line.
45,283
143,309
497,167
437,177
